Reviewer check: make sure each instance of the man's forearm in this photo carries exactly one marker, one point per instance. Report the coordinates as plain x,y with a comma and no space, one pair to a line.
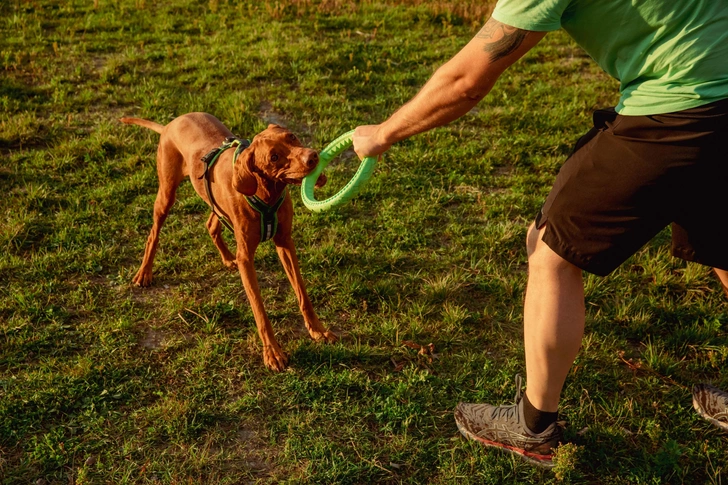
445,98
461,83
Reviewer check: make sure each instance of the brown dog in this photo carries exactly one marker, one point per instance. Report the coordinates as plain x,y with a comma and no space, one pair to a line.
274,159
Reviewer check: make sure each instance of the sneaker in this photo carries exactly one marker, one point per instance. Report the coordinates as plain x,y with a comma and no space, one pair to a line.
505,427
712,404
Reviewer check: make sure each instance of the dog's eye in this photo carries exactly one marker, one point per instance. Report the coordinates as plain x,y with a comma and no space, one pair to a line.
273,157
292,137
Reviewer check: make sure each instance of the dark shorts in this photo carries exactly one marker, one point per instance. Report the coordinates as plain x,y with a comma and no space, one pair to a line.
630,177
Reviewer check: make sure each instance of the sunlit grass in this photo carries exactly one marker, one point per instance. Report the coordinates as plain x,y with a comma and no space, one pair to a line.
102,382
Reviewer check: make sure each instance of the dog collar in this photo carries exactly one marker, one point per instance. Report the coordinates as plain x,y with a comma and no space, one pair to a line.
231,141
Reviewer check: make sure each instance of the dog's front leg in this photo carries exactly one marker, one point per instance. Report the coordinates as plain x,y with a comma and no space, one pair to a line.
287,253
214,227
273,356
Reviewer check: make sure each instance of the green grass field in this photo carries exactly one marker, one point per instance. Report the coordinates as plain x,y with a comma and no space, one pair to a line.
103,382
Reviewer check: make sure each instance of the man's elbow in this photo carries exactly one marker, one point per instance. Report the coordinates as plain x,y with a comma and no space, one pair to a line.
472,89
464,83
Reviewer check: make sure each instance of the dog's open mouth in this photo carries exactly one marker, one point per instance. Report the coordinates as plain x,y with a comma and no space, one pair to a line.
295,178
292,181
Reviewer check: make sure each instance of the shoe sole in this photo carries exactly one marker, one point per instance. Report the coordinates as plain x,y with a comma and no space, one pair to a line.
543,461
699,409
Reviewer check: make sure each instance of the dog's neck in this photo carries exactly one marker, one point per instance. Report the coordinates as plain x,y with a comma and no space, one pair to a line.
268,191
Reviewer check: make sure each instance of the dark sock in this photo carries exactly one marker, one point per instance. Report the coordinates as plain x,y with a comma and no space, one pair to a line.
537,421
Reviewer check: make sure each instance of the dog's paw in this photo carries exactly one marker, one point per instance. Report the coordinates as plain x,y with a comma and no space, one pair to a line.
325,336
143,278
330,337
230,264
274,358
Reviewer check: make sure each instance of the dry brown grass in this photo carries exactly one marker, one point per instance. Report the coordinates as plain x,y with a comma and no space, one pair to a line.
469,11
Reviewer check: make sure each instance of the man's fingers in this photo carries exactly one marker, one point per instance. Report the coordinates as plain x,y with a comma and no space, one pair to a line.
365,141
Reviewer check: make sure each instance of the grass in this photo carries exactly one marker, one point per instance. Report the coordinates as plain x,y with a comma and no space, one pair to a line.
102,382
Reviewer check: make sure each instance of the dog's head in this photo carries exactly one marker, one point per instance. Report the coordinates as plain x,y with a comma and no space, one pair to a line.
274,155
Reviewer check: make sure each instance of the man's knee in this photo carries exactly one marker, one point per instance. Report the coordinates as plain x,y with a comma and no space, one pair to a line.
542,258
532,237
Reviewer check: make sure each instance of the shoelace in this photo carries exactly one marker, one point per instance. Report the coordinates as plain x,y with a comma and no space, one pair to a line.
509,412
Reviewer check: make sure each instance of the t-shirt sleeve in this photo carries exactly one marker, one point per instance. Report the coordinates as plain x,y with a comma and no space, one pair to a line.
536,15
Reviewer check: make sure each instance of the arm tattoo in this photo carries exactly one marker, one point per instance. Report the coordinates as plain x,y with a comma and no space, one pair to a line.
500,39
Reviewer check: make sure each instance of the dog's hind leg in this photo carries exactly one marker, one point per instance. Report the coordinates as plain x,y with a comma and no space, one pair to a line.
169,169
214,227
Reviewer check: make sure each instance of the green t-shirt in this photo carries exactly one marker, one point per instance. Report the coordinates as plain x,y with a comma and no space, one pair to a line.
667,55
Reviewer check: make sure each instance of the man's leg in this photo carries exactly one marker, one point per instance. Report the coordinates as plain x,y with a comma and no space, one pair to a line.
553,321
553,327
709,401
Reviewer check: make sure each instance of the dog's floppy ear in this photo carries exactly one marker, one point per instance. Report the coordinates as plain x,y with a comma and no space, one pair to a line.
244,180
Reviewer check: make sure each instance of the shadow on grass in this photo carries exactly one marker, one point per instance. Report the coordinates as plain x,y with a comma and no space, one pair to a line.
310,356
628,456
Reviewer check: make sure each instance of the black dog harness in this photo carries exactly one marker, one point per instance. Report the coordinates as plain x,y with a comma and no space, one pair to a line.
268,213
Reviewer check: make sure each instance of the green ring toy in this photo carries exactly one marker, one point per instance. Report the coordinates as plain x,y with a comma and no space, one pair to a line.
332,150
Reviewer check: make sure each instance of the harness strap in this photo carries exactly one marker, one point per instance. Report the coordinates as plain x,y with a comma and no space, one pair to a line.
268,214
209,160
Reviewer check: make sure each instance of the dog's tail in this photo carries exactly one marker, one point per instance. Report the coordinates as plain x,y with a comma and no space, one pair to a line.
145,123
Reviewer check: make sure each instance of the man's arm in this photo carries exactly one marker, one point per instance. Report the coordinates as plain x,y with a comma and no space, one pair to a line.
454,89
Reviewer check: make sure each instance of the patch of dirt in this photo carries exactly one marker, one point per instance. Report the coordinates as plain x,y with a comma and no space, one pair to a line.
98,62
149,294
153,339
245,448
503,171
256,459
37,142
269,115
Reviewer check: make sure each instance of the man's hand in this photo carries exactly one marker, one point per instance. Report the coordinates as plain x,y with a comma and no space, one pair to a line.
367,141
